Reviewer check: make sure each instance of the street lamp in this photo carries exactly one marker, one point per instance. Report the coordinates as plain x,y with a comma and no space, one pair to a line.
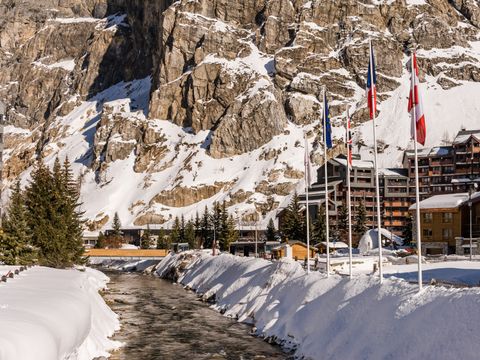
214,240
471,190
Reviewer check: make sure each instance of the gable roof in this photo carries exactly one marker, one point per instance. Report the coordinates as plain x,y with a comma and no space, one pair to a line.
464,135
445,201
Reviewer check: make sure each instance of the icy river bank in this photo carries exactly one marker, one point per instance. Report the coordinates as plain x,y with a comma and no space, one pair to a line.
161,320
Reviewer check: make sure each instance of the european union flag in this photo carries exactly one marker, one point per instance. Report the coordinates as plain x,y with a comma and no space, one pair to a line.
326,122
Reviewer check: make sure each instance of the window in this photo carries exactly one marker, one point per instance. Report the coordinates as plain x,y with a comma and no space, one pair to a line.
447,217
427,232
427,217
447,234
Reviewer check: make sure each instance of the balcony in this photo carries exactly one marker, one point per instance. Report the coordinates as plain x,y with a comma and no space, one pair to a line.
396,203
394,223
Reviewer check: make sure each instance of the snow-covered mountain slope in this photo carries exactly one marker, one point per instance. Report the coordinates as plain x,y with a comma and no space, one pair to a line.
167,107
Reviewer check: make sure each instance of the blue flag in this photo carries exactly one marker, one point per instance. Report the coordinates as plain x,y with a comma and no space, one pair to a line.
326,122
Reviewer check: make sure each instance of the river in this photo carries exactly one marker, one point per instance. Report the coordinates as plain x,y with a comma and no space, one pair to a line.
161,320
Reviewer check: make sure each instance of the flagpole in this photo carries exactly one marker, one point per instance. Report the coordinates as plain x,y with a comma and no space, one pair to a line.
307,184
377,185
417,195
326,179
349,199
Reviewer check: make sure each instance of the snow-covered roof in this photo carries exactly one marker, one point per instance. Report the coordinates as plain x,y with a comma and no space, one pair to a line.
394,172
445,201
362,164
464,135
441,150
434,151
335,244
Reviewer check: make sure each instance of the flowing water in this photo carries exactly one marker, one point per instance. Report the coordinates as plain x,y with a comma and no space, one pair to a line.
161,320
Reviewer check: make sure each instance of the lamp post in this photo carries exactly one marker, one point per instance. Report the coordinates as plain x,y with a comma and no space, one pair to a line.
214,247
470,191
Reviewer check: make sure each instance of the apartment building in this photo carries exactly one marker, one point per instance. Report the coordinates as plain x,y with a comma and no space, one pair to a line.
393,192
445,169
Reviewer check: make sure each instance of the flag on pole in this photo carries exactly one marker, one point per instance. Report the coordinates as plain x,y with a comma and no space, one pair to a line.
372,85
326,121
308,166
349,143
415,103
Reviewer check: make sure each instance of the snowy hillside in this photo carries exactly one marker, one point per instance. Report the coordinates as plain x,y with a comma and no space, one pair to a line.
192,102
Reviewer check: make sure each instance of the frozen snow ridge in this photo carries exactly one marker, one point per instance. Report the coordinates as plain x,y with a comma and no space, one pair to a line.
335,318
49,314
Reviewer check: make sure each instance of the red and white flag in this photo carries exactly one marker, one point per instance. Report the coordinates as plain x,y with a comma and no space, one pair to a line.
415,107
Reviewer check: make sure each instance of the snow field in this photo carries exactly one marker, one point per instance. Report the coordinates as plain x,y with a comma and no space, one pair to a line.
337,318
49,314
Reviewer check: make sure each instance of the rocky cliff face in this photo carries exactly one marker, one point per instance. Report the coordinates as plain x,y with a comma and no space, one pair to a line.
167,106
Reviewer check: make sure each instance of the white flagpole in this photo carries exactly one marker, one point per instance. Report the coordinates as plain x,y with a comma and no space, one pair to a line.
377,185
307,184
326,179
349,194
417,195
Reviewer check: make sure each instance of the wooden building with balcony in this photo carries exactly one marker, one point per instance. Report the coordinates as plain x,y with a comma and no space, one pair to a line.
445,223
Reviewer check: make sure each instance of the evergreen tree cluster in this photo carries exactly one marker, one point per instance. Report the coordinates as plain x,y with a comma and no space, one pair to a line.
294,224
201,232
43,223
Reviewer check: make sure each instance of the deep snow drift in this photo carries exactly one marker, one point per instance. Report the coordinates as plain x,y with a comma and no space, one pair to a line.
50,314
335,318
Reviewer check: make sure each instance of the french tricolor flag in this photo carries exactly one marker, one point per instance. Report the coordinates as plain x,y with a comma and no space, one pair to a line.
372,85
415,108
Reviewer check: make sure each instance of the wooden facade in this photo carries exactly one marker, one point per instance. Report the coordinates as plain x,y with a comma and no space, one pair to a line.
299,250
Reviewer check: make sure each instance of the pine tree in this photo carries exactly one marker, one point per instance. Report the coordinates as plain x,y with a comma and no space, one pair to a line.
175,233
205,229
294,221
360,222
190,234
146,239
56,225
223,228
216,224
408,231
44,204
271,234
100,241
230,234
161,241
73,216
182,238
342,224
198,230
15,248
319,228
116,225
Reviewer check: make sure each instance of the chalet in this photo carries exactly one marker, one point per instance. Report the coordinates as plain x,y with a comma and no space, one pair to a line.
296,249
445,223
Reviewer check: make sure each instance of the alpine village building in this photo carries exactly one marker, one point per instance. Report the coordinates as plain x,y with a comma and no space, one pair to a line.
442,170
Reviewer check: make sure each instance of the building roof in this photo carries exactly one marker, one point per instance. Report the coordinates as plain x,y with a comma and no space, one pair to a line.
434,151
397,172
361,164
464,135
2,108
333,244
445,201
